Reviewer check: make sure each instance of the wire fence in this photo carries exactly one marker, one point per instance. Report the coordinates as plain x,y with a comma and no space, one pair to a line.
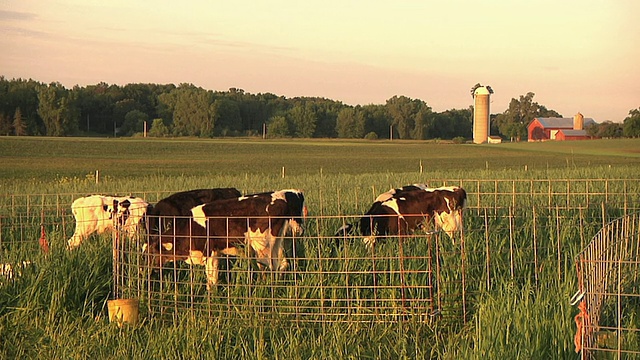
608,298
331,278
516,230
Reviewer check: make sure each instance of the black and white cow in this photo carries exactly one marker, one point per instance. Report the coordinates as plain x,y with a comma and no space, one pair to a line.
178,206
404,210
100,213
258,221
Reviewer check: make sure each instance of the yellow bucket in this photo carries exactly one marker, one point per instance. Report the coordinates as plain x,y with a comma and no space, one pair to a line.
123,311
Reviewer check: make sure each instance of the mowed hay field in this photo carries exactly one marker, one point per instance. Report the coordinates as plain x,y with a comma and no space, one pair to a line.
57,307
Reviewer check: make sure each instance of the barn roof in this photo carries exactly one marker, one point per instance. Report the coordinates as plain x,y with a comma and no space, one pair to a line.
574,132
561,123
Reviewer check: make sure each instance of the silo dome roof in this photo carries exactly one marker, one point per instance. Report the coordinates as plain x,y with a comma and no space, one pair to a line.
482,90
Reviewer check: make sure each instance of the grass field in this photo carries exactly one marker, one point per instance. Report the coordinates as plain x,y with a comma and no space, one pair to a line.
58,308
27,158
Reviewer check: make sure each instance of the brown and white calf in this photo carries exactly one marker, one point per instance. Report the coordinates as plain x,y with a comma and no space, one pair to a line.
402,211
258,221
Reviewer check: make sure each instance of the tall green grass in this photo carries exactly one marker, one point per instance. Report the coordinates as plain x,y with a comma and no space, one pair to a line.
57,308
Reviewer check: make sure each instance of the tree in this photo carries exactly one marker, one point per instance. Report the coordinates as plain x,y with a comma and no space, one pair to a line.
278,127
371,136
326,112
376,120
192,112
350,123
5,125
158,129
514,130
403,111
96,105
631,124
19,125
303,119
513,122
57,109
226,116
120,110
133,122
23,94
452,123
609,129
48,109
423,124
410,118
68,114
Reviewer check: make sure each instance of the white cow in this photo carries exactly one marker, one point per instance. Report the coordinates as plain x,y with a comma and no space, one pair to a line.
99,213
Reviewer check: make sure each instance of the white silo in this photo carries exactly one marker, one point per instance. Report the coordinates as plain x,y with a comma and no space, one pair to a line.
481,97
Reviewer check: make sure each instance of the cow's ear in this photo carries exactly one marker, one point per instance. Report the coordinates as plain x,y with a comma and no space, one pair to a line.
105,207
125,204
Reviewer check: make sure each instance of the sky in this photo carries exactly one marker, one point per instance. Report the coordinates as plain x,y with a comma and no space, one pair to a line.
575,56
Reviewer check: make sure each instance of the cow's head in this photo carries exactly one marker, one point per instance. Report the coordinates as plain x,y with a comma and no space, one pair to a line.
448,216
156,253
120,212
297,209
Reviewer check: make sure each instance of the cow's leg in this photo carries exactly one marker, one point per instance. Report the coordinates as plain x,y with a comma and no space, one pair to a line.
84,227
211,269
273,254
278,259
74,241
370,239
230,251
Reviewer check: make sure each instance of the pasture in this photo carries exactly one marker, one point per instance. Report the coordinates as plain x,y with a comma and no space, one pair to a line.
533,207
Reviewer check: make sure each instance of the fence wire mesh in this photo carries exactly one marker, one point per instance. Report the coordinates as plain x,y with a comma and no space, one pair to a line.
608,272
328,279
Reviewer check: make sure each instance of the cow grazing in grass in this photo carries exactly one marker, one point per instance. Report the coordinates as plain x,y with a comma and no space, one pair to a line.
178,206
100,213
258,221
404,210
348,229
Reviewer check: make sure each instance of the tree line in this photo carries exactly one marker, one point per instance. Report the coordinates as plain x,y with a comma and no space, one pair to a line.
29,107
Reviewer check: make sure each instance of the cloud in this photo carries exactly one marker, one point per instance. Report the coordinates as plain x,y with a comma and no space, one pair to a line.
16,24
24,32
16,15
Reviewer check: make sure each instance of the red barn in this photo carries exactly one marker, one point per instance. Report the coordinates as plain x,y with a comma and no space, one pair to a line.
542,129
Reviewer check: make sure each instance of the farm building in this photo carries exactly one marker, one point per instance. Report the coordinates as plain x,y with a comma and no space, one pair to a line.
542,129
